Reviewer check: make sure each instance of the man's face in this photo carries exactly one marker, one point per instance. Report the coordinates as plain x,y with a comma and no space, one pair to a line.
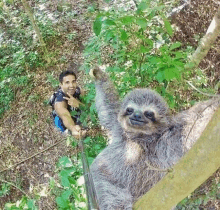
69,84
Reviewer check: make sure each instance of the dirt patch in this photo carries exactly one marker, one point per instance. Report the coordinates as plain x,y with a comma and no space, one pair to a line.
192,23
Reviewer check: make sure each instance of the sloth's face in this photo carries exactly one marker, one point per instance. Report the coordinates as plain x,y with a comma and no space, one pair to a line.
139,119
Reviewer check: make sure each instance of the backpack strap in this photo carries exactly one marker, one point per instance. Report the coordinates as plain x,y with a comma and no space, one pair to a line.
52,99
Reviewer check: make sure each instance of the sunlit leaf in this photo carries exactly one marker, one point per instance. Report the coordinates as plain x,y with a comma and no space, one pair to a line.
31,204
65,181
143,6
168,27
66,194
109,35
97,26
160,76
62,203
142,22
65,162
43,192
127,20
124,35
171,73
109,22
175,45
87,140
144,49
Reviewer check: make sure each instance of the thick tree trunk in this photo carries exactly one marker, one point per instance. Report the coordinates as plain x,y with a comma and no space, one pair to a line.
189,173
206,42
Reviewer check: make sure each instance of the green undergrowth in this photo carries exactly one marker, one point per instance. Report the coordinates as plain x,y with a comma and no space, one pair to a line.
137,50
20,54
73,195
23,204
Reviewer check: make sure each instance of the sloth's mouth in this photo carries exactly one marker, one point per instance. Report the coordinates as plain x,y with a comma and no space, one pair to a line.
137,122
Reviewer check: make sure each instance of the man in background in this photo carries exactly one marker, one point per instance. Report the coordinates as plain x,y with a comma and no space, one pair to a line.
65,100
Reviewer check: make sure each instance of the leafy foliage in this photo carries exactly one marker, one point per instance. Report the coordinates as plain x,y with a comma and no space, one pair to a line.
88,115
138,43
4,189
23,204
71,175
20,54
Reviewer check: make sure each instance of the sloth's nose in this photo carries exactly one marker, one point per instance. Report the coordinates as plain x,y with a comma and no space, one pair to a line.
137,116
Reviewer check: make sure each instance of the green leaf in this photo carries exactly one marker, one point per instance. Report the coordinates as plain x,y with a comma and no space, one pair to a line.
10,206
31,204
142,22
109,35
97,26
66,194
62,203
155,60
149,42
109,22
171,73
206,200
142,6
178,64
127,20
159,8
114,69
65,162
175,45
76,193
73,113
87,140
65,181
64,176
72,180
90,160
124,35
52,183
144,49
160,76
91,8
168,27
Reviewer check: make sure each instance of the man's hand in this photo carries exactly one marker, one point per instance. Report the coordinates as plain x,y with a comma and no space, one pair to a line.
77,132
72,101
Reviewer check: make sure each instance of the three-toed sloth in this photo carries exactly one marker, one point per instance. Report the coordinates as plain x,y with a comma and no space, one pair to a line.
146,141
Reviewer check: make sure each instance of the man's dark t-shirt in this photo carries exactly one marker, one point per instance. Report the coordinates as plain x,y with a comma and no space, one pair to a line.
58,97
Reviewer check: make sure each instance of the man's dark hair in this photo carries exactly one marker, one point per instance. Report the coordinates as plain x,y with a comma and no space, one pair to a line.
64,74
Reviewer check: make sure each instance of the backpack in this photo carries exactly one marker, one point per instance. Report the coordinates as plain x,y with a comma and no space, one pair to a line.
52,99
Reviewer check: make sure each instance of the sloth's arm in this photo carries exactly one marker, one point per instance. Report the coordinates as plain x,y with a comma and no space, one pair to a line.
107,100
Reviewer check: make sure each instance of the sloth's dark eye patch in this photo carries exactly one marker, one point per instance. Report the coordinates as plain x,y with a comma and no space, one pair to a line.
150,115
129,111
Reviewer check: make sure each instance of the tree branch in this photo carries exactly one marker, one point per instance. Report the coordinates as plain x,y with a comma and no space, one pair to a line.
1,180
36,28
206,42
206,94
189,173
6,169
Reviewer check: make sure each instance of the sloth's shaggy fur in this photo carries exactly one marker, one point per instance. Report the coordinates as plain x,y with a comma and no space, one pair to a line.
141,152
